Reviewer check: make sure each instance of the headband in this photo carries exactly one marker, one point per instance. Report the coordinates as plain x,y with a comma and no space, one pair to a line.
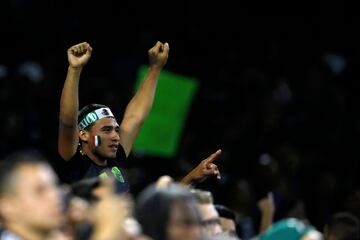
94,116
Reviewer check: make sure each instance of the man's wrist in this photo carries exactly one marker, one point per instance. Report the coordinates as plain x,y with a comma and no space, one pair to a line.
155,68
75,69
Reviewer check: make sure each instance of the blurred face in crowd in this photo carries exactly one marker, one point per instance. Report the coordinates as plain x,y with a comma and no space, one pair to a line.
34,201
183,222
103,138
210,220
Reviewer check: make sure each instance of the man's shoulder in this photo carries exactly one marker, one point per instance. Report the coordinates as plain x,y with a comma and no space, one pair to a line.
120,154
78,156
73,169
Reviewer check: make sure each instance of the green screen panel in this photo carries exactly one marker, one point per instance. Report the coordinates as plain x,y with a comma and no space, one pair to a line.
161,132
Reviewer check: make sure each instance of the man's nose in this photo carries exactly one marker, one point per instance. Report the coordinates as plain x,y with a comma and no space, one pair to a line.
115,136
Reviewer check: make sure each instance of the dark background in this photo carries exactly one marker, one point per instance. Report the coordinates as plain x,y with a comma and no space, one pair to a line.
286,118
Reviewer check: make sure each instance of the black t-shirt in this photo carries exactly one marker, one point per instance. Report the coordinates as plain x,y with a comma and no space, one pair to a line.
81,167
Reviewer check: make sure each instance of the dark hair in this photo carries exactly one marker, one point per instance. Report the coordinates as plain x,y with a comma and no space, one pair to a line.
87,109
225,212
84,188
12,162
154,205
343,225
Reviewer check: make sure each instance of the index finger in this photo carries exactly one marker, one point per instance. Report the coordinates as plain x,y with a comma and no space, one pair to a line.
213,156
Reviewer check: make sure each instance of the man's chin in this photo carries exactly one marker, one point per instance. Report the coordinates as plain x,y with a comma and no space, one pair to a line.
107,156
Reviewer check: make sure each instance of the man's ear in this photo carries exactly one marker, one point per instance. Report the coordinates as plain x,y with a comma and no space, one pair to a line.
84,135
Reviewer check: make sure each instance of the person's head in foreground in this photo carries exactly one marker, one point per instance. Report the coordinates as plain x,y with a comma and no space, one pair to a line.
168,213
30,201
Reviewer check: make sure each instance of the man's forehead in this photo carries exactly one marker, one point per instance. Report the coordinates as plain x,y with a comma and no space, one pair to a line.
28,176
35,171
208,209
107,122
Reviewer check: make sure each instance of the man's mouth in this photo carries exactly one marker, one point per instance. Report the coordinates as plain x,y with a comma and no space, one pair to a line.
114,147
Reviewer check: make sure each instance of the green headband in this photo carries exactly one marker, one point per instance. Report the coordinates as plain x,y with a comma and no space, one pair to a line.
94,116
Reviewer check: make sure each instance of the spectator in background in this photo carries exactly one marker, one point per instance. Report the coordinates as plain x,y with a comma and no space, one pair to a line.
92,141
342,226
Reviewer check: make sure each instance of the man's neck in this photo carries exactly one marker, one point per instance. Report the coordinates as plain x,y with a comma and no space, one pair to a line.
96,159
